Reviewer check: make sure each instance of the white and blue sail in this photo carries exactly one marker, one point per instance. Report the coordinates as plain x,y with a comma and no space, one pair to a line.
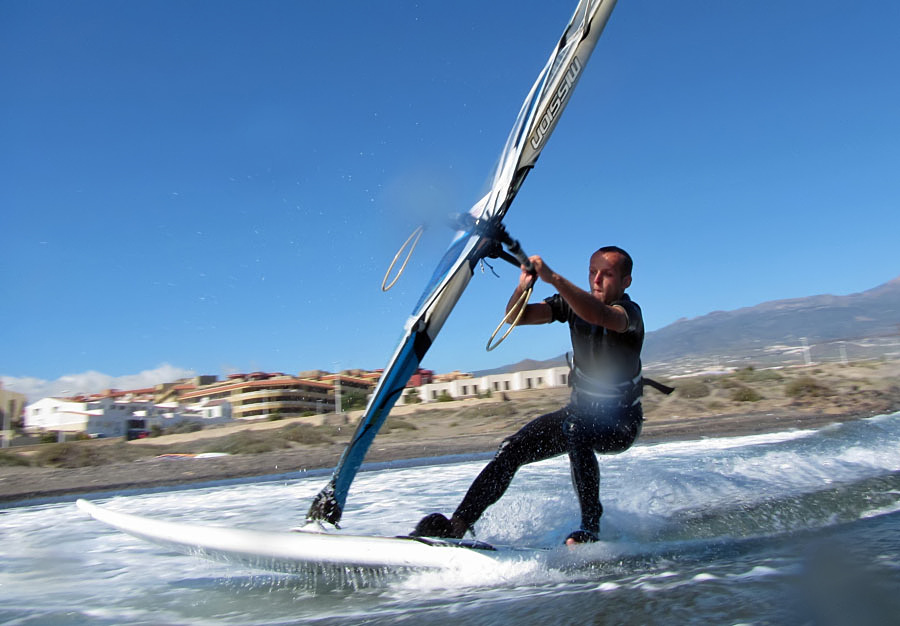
480,235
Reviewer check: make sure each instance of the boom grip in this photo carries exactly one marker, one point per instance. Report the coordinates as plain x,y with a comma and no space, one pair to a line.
515,249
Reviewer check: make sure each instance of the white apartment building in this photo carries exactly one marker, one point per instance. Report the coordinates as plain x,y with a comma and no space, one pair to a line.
170,414
109,417
495,383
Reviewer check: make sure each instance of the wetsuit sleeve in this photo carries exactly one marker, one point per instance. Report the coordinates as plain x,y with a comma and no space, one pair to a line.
559,308
633,312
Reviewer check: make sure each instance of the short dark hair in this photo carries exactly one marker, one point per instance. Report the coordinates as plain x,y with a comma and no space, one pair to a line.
627,263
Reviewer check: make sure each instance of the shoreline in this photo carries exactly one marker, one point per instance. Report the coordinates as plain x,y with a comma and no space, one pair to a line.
21,485
741,403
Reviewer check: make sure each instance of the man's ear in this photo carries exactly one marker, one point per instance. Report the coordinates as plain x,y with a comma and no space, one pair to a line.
626,283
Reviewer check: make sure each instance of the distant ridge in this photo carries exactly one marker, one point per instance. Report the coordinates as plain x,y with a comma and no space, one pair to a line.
525,364
867,323
859,325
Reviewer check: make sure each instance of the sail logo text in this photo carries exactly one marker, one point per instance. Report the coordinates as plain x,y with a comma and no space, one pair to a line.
559,101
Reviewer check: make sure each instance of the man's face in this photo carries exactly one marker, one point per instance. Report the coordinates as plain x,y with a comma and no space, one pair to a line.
605,275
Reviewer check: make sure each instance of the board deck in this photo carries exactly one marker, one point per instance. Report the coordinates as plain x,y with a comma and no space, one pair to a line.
304,551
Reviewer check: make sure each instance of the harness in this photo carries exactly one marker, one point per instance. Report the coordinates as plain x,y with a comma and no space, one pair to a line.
589,393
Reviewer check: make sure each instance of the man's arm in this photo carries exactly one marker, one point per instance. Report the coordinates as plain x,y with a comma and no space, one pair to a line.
536,313
586,306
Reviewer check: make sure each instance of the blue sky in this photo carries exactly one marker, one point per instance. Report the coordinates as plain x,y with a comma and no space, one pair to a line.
218,186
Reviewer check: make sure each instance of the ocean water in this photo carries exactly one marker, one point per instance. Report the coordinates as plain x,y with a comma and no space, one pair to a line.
799,527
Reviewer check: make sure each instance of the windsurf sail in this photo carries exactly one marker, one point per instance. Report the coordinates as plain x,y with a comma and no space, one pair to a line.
480,234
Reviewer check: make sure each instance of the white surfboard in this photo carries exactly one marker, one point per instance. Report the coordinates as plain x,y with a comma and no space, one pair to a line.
304,552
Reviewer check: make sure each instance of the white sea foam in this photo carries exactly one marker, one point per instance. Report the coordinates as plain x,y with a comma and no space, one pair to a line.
714,444
650,494
882,510
760,571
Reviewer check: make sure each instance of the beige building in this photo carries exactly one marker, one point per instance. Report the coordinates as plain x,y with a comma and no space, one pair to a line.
12,404
171,392
263,395
449,377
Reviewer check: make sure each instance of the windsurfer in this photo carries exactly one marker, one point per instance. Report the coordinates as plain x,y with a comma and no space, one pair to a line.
604,413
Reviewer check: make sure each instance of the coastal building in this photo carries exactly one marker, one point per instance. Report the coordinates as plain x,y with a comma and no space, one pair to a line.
12,404
115,413
373,376
171,392
348,381
263,395
202,399
457,386
258,395
170,414
448,377
421,377
101,417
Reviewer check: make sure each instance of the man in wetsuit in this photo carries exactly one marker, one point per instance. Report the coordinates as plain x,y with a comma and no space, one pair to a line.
604,412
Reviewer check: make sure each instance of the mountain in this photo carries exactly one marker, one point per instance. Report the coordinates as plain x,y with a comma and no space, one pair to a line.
526,364
863,323
824,327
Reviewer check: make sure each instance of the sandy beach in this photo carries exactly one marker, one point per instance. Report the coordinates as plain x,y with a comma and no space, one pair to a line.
705,405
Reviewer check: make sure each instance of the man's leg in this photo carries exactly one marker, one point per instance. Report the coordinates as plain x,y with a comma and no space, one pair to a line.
585,474
607,432
539,439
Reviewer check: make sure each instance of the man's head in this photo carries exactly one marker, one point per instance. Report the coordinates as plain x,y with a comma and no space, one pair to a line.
610,273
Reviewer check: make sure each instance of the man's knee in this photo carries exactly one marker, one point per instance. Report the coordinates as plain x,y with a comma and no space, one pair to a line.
507,457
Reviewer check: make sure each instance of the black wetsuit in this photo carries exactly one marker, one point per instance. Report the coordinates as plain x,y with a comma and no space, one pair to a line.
604,415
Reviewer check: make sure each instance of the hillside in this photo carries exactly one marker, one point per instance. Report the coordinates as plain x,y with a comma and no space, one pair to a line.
860,325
